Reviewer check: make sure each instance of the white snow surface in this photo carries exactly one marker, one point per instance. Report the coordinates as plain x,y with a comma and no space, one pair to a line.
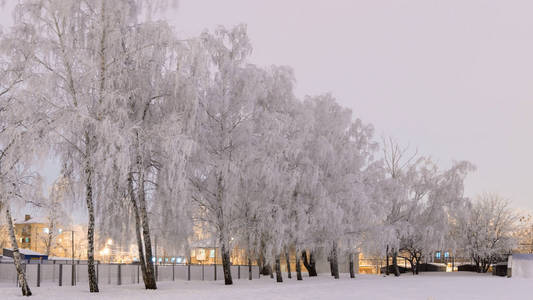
427,286
522,265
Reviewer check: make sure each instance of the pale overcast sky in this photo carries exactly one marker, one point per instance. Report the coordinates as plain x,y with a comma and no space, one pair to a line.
453,78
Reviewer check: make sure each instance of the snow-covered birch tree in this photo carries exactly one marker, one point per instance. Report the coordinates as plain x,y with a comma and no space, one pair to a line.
223,130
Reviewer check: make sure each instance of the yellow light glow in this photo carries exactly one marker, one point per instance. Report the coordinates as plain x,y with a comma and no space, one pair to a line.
110,242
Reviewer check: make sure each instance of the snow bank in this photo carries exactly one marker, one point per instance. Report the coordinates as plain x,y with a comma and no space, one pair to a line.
434,286
521,265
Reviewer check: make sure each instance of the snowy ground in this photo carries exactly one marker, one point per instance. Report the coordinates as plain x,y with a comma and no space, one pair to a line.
428,286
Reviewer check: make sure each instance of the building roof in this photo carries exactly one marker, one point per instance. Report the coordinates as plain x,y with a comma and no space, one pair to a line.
33,220
26,251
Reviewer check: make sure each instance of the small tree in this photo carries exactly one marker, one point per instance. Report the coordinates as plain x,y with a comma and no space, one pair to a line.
484,229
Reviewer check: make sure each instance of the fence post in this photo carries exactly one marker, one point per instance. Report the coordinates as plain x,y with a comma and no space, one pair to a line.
215,271
73,275
97,271
119,279
249,270
202,271
60,274
138,271
173,272
239,272
39,274
189,271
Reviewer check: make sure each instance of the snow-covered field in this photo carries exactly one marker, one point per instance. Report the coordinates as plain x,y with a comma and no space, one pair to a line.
428,286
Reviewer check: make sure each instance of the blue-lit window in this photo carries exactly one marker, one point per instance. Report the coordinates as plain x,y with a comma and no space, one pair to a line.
212,254
172,259
166,259
160,259
437,255
179,260
446,254
27,240
153,259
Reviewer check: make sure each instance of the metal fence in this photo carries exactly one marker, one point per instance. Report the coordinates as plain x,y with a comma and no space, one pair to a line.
67,274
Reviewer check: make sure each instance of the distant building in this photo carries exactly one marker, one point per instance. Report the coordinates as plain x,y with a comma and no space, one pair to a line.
29,233
32,234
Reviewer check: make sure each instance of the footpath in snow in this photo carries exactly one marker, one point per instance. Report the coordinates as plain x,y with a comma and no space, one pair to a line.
427,286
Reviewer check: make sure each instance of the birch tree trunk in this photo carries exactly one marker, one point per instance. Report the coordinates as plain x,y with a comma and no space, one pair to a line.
226,266
298,266
330,265
309,264
279,278
352,271
249,269
288,260
21,275
417,265
395,262
138,235
150,274
335,261
93,284
387,254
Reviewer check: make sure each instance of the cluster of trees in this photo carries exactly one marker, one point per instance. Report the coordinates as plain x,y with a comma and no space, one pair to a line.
156,134
486,230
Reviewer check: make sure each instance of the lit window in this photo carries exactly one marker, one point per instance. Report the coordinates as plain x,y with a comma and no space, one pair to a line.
46,230
212,254
178,260
446,254
166,259
172,259
437,255
160,259
27,240
60,230
153,259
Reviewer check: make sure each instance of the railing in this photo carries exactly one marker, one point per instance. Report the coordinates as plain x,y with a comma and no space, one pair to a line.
67,274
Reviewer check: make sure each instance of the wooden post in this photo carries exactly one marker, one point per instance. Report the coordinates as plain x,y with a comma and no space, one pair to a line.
73,275
189,271
39,274
249,269
60,274
119,275
173,272
239,272
203,272
138,267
